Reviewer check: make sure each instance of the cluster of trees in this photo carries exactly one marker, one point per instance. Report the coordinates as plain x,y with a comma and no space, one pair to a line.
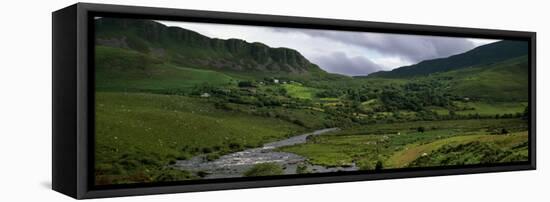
414,96
330,93
358,94
244,94
247,84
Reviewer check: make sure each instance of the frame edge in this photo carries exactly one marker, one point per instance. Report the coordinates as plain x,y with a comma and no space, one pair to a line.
84,191
64,145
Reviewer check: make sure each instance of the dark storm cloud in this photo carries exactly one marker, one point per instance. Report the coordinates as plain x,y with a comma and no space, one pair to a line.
413,48
339,62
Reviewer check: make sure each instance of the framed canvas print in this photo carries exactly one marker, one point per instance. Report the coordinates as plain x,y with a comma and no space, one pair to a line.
154,100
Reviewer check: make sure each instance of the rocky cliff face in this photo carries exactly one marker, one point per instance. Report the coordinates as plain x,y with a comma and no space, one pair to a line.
187,47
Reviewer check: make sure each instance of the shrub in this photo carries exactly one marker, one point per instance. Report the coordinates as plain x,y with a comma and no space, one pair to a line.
246,84
224,106
504,131
234,146
264,169
103,168
212,156
149,161
129,164
206,150
182,157
202,174
365,165
299,122
217,148
301,169
379,166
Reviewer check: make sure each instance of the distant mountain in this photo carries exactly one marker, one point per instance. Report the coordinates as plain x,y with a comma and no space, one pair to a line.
191,49
482,55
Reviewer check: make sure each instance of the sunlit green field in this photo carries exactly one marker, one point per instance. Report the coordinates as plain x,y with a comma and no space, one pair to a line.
299,91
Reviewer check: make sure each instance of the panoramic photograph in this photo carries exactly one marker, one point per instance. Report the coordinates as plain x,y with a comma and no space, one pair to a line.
184,101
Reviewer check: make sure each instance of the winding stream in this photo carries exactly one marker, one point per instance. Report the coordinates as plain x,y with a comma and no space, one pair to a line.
234,164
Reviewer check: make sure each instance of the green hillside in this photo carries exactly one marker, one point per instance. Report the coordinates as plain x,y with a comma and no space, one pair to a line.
502,81
120,69
137,134
191,49
482,55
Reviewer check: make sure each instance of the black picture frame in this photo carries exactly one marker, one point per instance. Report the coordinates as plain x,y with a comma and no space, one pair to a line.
73,98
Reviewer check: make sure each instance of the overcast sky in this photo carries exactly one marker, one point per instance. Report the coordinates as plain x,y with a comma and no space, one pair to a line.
343,52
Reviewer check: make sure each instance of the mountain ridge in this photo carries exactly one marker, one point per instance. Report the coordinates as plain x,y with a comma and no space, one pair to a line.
481,55
190,48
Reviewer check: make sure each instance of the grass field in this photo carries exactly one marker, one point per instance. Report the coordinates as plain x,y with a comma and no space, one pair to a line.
396,145
166,128
299,91
414,151
484,108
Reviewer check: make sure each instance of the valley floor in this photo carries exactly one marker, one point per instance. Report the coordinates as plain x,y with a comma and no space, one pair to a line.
141,137
155,116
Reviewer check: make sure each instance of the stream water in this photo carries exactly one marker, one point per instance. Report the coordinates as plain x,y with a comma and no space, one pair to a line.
235,164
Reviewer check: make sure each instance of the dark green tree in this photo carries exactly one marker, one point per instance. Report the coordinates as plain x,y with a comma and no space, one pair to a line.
243,84
504,131
379,166
421,129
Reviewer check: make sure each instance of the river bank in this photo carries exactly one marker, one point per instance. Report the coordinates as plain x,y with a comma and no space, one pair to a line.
235,164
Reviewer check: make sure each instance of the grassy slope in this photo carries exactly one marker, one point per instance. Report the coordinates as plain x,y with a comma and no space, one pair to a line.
365,146
413,151
169,127
471,125
499,88
496,88
504,81
126,70
486,54
484,108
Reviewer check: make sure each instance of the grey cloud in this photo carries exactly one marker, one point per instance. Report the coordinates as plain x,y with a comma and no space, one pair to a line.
413,48
339,62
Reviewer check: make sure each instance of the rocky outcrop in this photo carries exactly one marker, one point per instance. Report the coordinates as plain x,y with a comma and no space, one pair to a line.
191,48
